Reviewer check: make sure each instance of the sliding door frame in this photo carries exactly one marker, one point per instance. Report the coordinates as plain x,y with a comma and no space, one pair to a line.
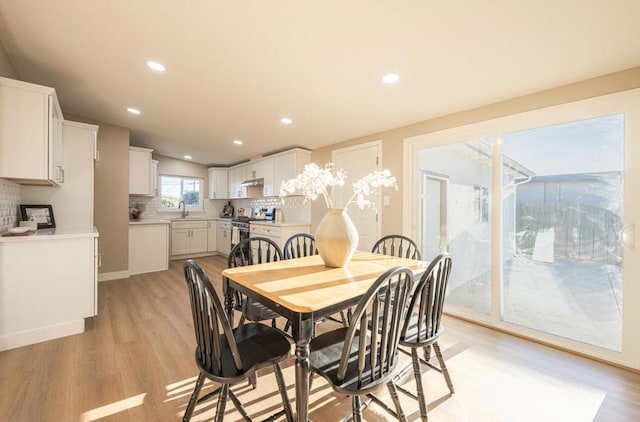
627,103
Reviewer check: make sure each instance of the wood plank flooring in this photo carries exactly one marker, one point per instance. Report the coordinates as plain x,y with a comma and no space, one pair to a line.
135,363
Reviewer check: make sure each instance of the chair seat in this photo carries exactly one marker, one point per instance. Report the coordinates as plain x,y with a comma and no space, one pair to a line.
258,346
326,350
417,338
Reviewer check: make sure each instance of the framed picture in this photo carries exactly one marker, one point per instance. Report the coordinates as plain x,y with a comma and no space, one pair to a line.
41,214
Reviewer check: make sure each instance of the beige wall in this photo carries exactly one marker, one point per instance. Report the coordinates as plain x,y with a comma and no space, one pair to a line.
6,68
111,195
392,140
174,167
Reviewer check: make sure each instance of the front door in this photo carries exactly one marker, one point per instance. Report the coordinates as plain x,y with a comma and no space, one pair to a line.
357,162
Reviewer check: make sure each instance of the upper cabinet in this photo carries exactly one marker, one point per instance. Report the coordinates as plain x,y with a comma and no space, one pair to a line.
141,172
218,183
30,134
237,175
288,165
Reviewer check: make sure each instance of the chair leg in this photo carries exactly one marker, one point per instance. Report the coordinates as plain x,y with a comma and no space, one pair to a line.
427,353
194,399
283,392
345,322
239,406
443,367
415,360
396,401
357,408
253,380
222,403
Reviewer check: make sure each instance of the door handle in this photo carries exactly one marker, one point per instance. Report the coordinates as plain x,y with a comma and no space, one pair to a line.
627,236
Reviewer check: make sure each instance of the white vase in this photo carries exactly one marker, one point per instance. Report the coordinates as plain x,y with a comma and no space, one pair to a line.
336,238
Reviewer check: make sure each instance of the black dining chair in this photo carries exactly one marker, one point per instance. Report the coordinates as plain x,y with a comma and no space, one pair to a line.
362,357
422,326
397,245
300,245
226,355
254,250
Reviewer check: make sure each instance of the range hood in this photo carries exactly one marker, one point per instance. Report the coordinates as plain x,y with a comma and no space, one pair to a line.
253,182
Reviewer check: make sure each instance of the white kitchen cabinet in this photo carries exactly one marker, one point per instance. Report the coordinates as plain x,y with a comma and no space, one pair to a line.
49,285
148,247
237,175
140,171
73,201
188,237
287,165
212,236
218,183
223,238
154,177
269,188
30,134
279,233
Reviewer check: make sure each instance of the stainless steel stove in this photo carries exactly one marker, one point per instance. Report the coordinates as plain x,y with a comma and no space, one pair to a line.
242,222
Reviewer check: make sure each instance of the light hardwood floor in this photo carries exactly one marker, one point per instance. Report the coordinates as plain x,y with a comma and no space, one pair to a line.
135,363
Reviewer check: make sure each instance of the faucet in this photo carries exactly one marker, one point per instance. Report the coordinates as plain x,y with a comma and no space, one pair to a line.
184,209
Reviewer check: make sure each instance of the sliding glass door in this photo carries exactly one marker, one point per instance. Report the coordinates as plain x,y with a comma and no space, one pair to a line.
537,211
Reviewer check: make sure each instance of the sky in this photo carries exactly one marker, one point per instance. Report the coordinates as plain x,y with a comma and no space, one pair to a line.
586,146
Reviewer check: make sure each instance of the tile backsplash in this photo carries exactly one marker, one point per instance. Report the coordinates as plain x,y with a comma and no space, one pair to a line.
293,208
9,202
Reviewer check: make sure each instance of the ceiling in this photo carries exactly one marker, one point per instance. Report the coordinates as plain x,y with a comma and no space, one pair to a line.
235,68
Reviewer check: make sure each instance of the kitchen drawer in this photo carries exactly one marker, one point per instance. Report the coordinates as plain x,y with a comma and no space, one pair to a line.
263,230
189,224
224,225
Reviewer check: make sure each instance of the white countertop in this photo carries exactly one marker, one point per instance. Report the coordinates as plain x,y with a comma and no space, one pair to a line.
148,221
51,234
280,224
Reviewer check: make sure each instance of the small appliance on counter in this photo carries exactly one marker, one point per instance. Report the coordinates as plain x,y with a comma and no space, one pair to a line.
227,211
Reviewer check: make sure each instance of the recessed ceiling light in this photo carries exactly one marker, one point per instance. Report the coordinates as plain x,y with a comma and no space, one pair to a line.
188,157
237,141
158,67
390,78
286,121
133,110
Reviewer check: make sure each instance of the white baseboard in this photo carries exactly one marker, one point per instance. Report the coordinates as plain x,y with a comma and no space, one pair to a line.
25,338
115,275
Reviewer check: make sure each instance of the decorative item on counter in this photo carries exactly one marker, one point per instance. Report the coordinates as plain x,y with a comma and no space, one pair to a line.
41,214
31,225
227,211
136,212
336,235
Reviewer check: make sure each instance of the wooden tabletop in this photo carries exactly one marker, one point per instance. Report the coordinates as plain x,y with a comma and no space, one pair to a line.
307,285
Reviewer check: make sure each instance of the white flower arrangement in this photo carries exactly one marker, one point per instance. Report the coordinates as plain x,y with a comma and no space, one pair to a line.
315,181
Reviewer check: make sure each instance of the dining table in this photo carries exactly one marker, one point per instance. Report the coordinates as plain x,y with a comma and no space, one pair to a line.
304,290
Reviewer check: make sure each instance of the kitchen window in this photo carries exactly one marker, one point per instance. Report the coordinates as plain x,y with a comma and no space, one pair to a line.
175,189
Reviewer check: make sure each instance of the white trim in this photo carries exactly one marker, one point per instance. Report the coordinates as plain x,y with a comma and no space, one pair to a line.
38,335
628,103
115,275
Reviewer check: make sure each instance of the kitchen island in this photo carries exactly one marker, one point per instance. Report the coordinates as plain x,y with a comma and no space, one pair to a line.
48,285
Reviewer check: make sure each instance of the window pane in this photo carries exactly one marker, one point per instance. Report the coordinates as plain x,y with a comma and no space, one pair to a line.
454,212
562,261
191,192
170,189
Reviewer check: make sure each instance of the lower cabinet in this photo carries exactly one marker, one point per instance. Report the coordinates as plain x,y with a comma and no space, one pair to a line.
48,285
148,247
223,237
279,233
188,237
212,236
